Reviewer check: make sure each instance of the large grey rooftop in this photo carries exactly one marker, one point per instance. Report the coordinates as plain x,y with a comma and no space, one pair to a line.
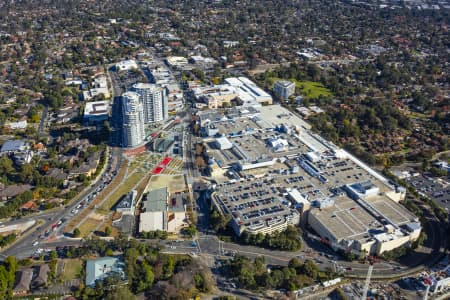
14,145
156,200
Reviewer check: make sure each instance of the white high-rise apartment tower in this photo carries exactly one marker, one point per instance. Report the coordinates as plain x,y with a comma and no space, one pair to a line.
154,101
133,120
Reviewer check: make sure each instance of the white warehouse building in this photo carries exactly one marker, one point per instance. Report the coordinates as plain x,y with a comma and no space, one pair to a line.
125,65
248,92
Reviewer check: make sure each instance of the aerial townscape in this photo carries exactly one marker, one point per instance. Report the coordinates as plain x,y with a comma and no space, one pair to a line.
217,149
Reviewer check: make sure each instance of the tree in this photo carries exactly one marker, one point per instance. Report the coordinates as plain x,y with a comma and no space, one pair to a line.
6,165
313,71
247,279
277,277
310,269
168,267
199,74
26,173
288,239
5,283
295,263
190,230
218,221
149,277
76,233
53,255
199,162
108,231
120,293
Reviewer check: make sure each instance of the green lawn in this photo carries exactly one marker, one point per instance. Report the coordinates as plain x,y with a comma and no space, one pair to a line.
88,226
309,89
72,269
313,90
123,189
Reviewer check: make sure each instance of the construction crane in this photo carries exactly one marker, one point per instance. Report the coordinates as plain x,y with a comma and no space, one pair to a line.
368,277
371,259
425,297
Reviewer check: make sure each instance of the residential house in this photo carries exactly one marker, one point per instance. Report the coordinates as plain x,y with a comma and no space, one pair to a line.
29,206
23,282
57,173
42,276
9,192
67,158
12,146
86,169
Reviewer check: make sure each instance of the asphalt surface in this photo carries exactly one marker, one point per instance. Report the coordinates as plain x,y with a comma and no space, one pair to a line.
43,120
433,189
204,244
210,246
26,245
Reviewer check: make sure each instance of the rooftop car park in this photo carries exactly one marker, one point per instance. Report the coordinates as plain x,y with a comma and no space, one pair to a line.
275,171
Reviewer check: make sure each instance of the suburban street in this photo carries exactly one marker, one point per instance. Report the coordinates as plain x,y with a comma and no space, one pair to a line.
25,246
204,244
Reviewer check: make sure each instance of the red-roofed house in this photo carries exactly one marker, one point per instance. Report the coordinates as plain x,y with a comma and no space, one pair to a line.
29,206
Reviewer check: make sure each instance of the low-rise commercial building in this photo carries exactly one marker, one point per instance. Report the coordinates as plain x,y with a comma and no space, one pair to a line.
163,211
249,93
152,221
177,61
126,65
99,87
215,96
174,97
96,112
241,89
101,268
126,204
161,75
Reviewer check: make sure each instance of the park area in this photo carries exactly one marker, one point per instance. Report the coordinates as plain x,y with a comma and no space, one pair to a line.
128,178
137,174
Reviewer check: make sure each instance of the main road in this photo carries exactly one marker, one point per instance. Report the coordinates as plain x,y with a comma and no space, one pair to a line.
25,246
